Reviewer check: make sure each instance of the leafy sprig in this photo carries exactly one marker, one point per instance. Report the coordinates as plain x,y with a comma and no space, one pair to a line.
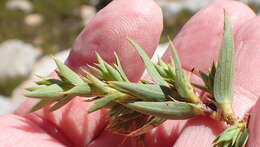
135,108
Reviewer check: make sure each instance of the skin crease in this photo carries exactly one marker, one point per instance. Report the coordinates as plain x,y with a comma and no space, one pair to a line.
74,128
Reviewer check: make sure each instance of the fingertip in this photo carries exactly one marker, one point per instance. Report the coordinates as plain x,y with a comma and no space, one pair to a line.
200,38
140,20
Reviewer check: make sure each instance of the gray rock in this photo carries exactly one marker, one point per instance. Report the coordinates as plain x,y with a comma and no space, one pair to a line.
17,59
5,105
43,67
87,13
23,5
173,7
33,20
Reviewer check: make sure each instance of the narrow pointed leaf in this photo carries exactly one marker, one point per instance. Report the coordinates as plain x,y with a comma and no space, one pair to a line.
167,110
228,136
44,82
212,74
79,90
201,87
61,103
242,139
40,104
120,68
148,63
161,70
104,101
223,82
205,78
101,64
148,92
167,71
48,82
162,63
35,88
113,72
48,92
95,81
235,136
68,74
182,83
96,70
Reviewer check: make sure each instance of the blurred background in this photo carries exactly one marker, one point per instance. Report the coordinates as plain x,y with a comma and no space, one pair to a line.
30,30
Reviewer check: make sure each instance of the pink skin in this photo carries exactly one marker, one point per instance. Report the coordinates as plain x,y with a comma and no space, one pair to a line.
140,20
247,38
198,44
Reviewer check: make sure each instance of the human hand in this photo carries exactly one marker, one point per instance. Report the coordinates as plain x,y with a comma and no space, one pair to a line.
198,44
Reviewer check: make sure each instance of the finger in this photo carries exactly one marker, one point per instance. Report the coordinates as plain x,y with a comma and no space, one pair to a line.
199,41
164,135
199,132
254,128
203,130
18,131
198,44
72,120
247,57
247,41
140,20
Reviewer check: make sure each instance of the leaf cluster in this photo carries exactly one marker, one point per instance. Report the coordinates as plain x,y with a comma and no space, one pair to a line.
234,136
135,108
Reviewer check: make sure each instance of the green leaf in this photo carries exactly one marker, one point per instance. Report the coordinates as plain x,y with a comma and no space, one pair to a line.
205,78
35,87
242,139
40,104
47,92
167,71
108,73
212,74
101,64
96,70
113,73
65,85
228,136
223,82
61,103
79,90
161,70
234,136
162,63
201,87
167,110
96,82
148,63
182,83
120,68
49,81
68,74
148,92
104,101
